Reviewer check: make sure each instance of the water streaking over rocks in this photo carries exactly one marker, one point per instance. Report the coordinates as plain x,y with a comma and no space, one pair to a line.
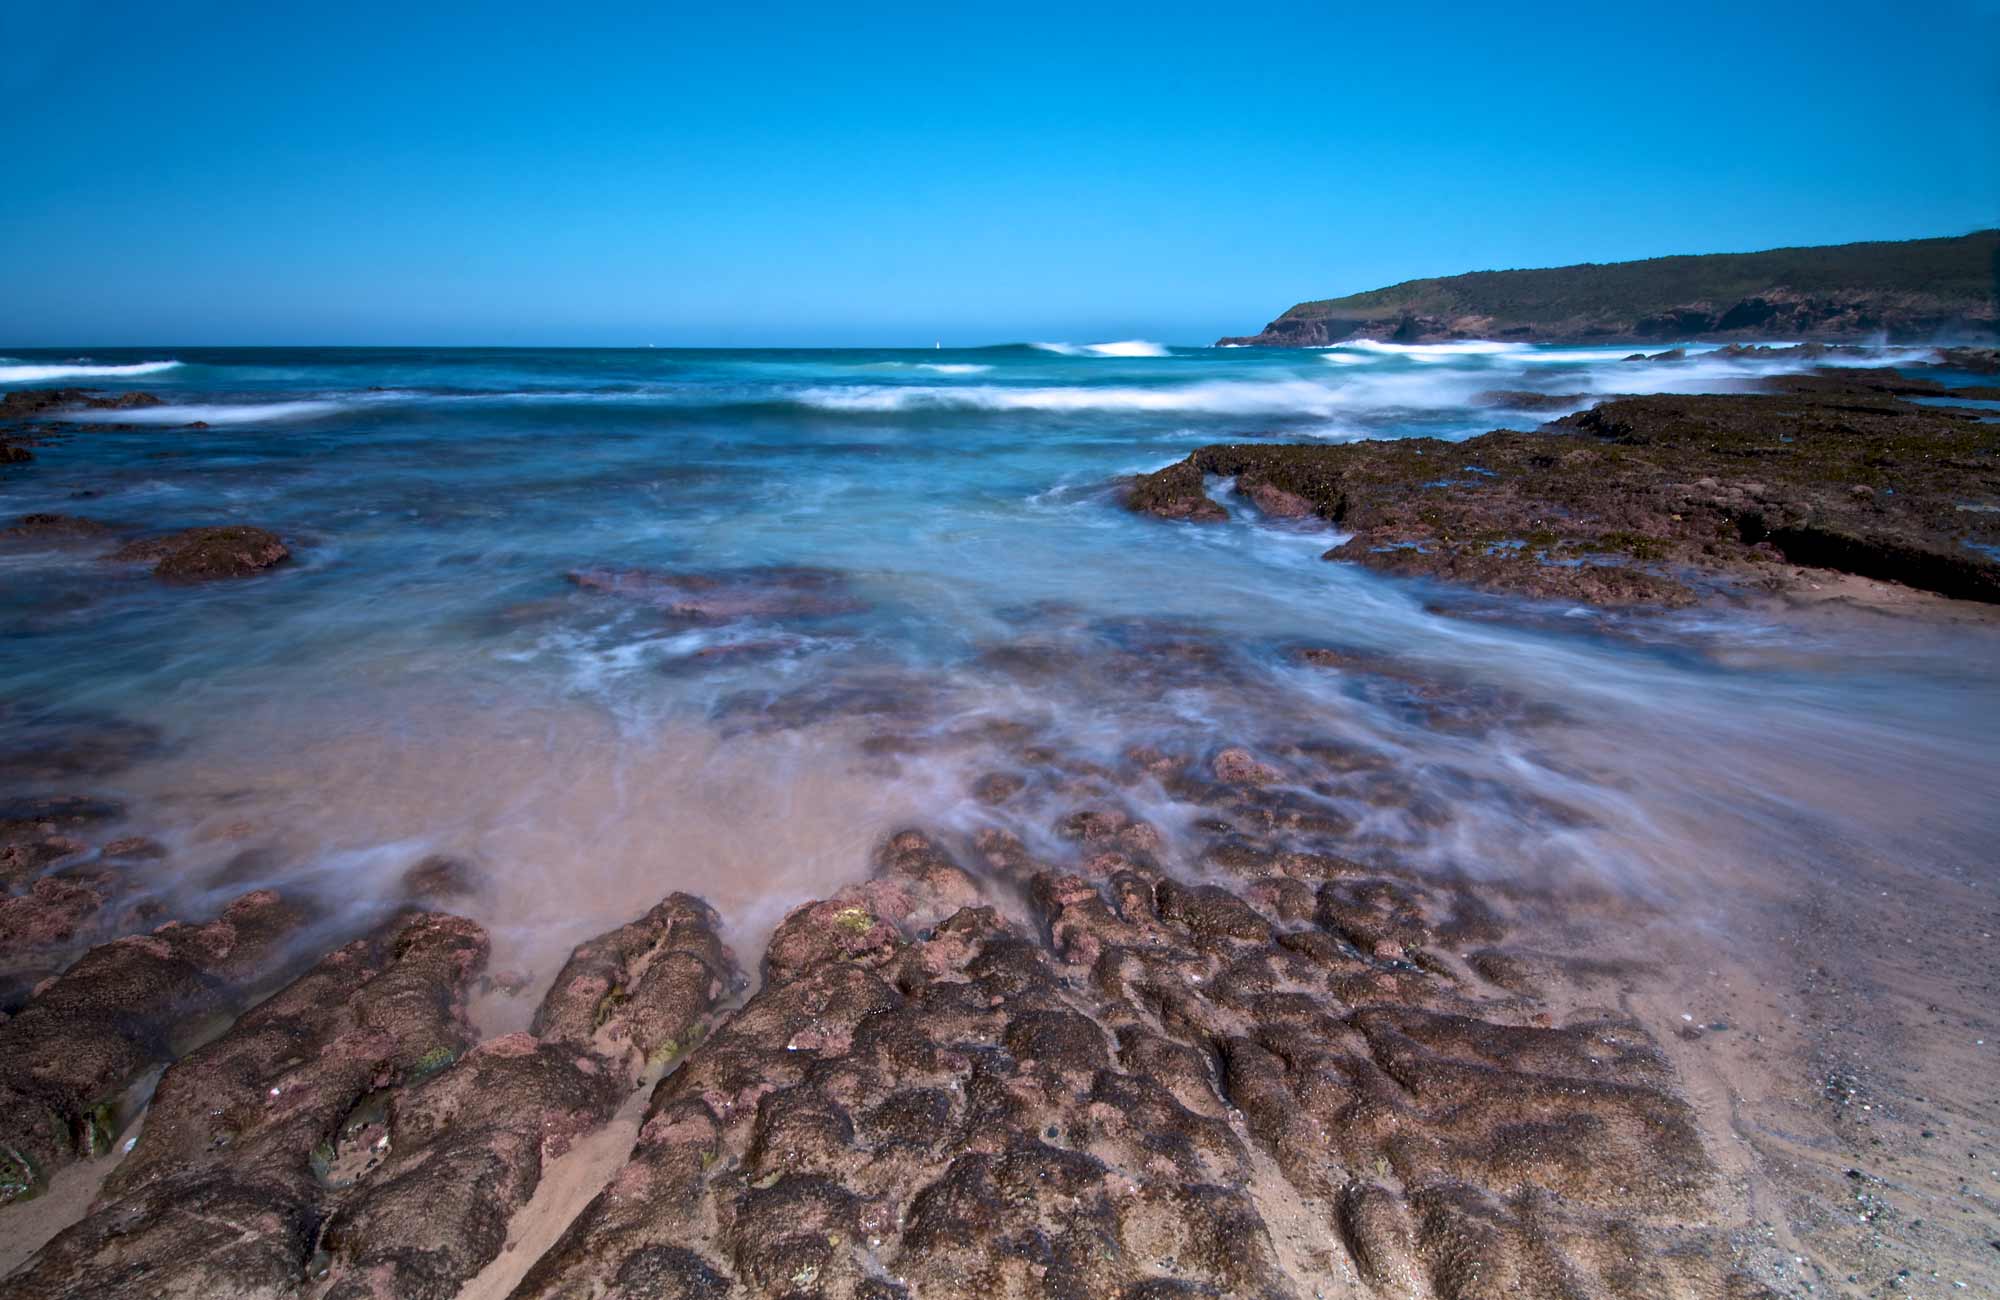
995,891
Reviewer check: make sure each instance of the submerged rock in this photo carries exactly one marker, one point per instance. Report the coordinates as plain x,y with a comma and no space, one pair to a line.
38,833
31,403
54,528
202,554
39,747
439,878
775,592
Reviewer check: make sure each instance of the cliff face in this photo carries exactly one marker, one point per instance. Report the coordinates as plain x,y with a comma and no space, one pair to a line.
1917,290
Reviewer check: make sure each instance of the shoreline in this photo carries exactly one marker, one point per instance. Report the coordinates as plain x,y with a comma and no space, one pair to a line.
1141,957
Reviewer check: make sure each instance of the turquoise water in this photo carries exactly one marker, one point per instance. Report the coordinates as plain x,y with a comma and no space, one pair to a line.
852,567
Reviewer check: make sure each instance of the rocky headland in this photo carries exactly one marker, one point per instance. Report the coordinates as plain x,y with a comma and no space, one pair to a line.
1916,290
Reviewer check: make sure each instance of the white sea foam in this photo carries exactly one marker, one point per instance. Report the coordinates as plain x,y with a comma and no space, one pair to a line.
1220,397
40,374
953,368
1577,356
233,413
1120,348
1432,351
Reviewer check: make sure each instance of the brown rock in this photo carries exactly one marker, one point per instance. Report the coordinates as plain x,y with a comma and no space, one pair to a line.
1643,500
67,1057
201,554
1237,766
54,528
246,1137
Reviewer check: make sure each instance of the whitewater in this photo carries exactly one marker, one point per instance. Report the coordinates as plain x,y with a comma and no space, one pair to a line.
608,622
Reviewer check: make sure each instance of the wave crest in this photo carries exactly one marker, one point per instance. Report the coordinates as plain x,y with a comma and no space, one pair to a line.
231,413
1120,348
1217,397
26,373
1431,351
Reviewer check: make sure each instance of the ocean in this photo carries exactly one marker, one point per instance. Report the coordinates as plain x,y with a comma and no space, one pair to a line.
608,623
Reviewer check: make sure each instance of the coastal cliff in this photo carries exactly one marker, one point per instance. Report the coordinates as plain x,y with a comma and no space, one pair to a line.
1919,289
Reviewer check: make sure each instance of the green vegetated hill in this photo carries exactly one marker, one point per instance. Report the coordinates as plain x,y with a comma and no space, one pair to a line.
1909,289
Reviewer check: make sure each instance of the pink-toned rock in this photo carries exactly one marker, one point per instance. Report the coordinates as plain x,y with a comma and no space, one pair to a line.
1274,500
69,1054
1238,766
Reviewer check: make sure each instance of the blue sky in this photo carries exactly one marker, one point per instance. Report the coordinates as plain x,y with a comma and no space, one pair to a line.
222,172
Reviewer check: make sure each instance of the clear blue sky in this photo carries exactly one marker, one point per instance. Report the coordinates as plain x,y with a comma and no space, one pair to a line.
217,171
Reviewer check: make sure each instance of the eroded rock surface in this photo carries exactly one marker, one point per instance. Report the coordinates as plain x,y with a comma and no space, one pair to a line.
1646,500
1079,1057
348,1138
70,1057
1264,1086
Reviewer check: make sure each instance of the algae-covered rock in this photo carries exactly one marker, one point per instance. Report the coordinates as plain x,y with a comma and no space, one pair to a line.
86,1038
1647,500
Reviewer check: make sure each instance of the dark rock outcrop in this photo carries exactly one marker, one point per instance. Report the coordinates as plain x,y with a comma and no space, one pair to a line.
348,1139
457,1153
43,403
1297,1071
69,1057
1644,500
968,1108
1980,361
203,554
223,1194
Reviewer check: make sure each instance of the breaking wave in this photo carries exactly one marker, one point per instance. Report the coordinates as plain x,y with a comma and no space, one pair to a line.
1121,348
1431,351
233,413
1218,397
22,373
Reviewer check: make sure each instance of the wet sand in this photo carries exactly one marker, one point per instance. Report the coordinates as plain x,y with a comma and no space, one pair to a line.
1821,1001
